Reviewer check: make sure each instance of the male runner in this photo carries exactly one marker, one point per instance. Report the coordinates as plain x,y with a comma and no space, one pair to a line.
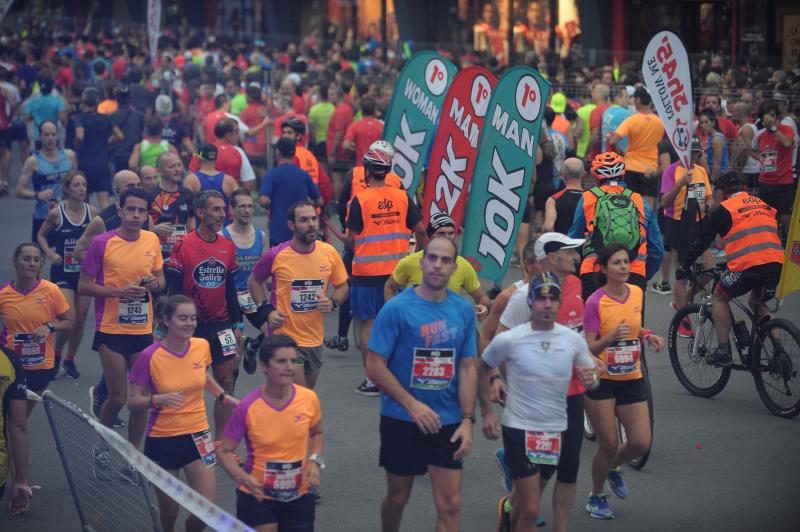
171,203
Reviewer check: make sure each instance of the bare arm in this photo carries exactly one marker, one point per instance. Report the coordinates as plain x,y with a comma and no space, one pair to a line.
24,188
133,161
613,142
419,234
391,288
257,290
96,226
717,145
50,223
549,215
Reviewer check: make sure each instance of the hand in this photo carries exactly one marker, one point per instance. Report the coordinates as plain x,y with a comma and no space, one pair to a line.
426,419
589,377
150,282
656,342
19,500
463,433
79,254
162,229
41,333
230,400
601,364
276,319
45,195
686,179
311,475
325,304
491,425
133,292
499,391
171,400
56,259
481,311
620,332
255,487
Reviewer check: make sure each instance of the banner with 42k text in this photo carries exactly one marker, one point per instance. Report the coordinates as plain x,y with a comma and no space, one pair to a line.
504,169
455,147
414,113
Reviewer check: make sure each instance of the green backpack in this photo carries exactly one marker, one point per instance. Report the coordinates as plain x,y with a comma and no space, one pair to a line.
616,220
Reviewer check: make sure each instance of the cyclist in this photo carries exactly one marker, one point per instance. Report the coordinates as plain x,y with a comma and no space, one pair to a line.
31,309
171,203
282,424
377,248
605,214
749,231
203,267
42,173
302,270
14,432
408,273
544,352
60,231
424,362
168,380
612,322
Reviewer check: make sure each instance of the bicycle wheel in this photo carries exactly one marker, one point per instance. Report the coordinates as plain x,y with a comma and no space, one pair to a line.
687,355
588,430
775,363
638,463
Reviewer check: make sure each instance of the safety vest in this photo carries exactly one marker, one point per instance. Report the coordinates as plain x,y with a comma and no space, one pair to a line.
307,162
753,237
589,204
384,239
359,183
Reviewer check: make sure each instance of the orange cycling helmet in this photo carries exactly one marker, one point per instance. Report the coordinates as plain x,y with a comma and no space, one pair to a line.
608,165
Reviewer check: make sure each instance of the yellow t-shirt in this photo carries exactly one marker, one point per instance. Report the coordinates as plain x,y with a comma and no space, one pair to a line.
408,273
643,131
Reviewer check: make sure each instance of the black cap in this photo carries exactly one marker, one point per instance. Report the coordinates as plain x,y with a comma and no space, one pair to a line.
207,152
285,147
437,221
696,144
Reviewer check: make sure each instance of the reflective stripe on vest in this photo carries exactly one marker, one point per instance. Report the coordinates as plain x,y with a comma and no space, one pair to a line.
383,240
753,237
380,238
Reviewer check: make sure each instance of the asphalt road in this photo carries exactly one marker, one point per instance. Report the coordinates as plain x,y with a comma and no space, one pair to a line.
719,464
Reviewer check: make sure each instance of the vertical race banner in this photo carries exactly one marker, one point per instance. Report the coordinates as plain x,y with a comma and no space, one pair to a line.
414,113
790,273
504,169
153,28
455,147
667,76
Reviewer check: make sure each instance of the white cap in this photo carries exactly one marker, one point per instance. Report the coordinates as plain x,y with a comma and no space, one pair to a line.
551,242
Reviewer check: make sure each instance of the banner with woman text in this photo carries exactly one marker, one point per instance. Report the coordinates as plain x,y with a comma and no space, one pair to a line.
504,169
455,147
667,76
414,113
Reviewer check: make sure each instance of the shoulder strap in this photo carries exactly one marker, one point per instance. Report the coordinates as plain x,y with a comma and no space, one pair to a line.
599,192
627,192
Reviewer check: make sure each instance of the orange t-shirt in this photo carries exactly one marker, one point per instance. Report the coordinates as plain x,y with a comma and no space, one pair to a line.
602,314
644,131
277,440
164,371
23,313
115,262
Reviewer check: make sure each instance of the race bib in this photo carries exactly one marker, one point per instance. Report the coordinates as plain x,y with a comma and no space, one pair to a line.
28,349
283,480
543,448
306,294
205,447
133,312
178,232
769,161
228,342
246,302
70,265
432,369
696,191
622,357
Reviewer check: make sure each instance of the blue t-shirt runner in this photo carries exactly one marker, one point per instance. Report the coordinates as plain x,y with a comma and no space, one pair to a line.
283,185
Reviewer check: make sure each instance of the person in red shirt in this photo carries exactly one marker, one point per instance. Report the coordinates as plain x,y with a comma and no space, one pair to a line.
340,121
222,106
255,116
360,135
775,145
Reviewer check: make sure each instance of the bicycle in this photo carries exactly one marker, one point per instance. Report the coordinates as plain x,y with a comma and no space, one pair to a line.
769,349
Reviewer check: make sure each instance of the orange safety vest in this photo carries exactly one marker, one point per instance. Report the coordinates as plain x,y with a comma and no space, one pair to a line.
753,237
384,239
359,183
307,162
589,205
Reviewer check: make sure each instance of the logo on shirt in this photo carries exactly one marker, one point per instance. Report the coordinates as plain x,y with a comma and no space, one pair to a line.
149,253
545,346
183,207
298,418
209,274
197,365
324,269
41,301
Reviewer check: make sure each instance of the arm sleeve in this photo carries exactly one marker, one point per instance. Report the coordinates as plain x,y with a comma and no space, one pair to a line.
355,223
401,271
173,273
471,282
655,242
719,222
623,129
234,312
668,179
266,185
339,273
517,311
60,302
140,372
583,358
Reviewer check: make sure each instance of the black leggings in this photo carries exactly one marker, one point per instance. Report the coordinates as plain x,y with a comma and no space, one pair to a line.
567,471
344,308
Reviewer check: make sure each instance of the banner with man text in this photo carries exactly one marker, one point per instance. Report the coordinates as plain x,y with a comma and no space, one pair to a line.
414,113
667,76
455,147
504,169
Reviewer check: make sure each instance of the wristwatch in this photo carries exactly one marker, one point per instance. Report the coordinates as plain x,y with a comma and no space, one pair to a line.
317,459
51,326
334,304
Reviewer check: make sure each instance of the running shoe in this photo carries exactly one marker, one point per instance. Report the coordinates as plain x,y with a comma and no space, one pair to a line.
663,288
95,403
616,481
685,329
251,354
673,306
719,358
129,474
101,466
337,342
494,291
499,456
503,515
368,388
597,506
70,370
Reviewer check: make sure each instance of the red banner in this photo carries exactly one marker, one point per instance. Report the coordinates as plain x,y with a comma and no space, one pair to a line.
455,147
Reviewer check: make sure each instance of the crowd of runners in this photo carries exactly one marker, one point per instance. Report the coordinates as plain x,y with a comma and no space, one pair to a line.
143,181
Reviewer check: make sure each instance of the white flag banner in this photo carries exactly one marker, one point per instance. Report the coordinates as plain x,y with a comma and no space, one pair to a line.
667,76
153,28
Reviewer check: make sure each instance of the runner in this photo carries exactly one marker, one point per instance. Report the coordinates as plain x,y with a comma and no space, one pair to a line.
152,145
166,382
424,363
535,417
14,433
203,267
612,323
31,309
122,270
171,204
559,209
377,248
282,425
60,231
42,173
295,130
360,134
249,242
206,177
301,271
408,273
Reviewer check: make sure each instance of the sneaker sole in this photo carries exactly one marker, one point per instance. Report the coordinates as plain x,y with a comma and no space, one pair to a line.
91,404
502,473
367,394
